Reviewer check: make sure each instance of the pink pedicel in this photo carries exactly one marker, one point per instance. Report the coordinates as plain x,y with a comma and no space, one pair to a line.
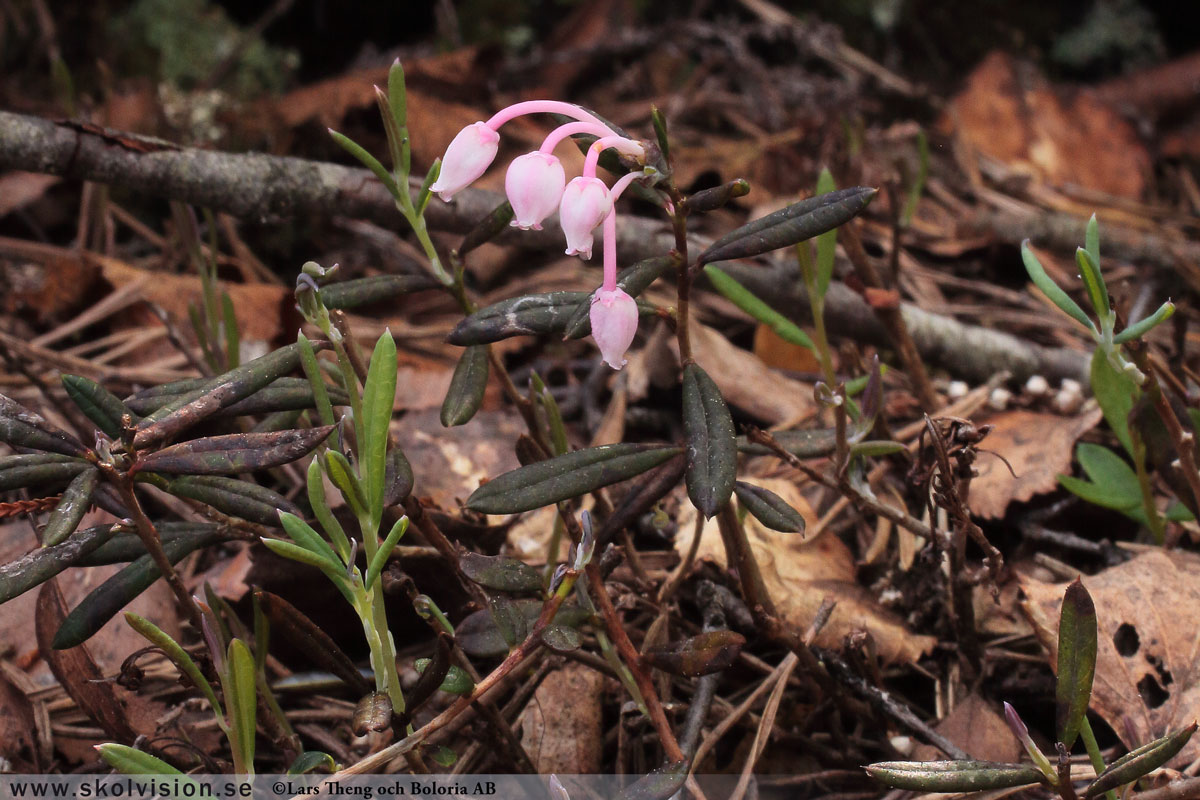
614,317
466,159
585,204
534,185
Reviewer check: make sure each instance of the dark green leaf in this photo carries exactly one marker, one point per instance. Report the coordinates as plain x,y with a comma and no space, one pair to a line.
1116,393
38,469
796,223
509,620
43,563
240,689
235,497
718,196
1140,762
125,547
566,476
712,446
659,784
478,635
502,573
399,479
642,496
375,289
518,316
98,404
634,280
769,508
1093,281
442,756
379,560
453,680
953,776
487,228
379,397
805,444
1076,661
560,638
21,427
704,654
343,477
284,394
467,387
75,501
659,121
307,637
236,452
103,603
312,761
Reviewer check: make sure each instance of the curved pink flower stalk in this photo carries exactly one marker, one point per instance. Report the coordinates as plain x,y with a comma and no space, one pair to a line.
613,313
618,143
571,129
544,107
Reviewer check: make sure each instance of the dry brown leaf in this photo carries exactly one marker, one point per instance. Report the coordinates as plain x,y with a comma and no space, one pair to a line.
776,352
1039,447
799,575
450,462
19,189
978,729
1148,657
562,727
17,728
1010,112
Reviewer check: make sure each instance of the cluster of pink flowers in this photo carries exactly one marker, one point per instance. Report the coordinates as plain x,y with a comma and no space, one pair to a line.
537,186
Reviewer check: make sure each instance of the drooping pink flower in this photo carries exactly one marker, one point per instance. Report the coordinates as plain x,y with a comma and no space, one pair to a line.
585,204
534,185
467,158
614,317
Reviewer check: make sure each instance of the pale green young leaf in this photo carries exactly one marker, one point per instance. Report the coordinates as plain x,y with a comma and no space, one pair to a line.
379,395
1037,274
385,550
826,242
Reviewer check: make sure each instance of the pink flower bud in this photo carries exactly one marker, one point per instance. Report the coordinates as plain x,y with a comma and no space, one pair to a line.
467,157
585,204
534,185
614,316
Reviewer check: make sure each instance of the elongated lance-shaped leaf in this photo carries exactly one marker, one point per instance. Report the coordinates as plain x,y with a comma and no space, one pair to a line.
1091,239
786,227
98,404
399,480
75,501
284,394
718,196
178,656
1144,326
21,427
805,444
529,314
496,222
320,506
311,761
367,160
306,636
234,453
240,692
375,289
234,497
218,393
634,279
125,547
643,496
1093,281
103,603
658,784
711,443
379,560
316,380
502,573
1037,274
1140,762
130,761
43,563
38,469
769,508
379,396
233,337
563,477
1076,661
467,387
747,301
303,534
826,242
337,466
953,776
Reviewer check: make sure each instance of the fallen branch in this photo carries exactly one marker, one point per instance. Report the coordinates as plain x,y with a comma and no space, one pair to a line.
263,187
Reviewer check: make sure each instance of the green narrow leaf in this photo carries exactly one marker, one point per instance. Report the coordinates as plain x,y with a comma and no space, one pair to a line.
397,96
1116,393
39,469
711,443
129,761
496,222
21,427
718,196
233,338
303,535
235,452
659,121
177,655
1037,274
1093,282
744,299
342,474
43,563
426,191
1142,327
234,497
385,551
379,396
918,184
311,761
826,242
98,404
400,479
1091,239
805,444
76,500
467,387
312,371
375,289
953,776
240,693
1076,661
367,160
769,508
563,477
305,635
1140,762
530,314
788,226
320,506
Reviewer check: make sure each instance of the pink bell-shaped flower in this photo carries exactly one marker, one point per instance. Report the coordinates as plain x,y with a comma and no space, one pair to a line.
585,204
614,316
534,185
467,157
